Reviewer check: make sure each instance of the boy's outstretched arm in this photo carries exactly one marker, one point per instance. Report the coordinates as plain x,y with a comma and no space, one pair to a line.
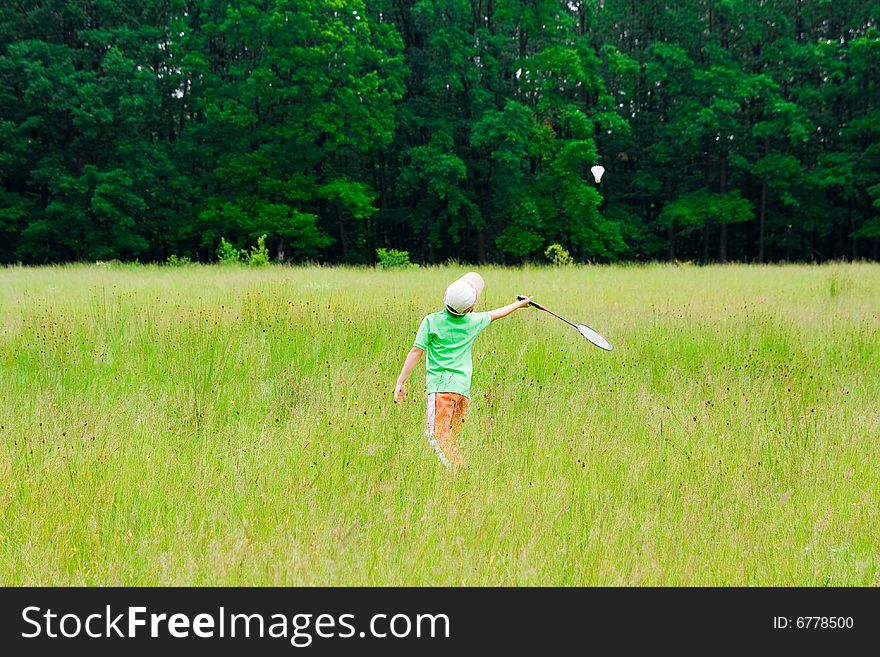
504,311
411,359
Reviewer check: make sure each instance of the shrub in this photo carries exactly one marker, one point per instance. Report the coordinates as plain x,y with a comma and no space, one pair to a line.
394,259
226,253
259,255
178,261
557,255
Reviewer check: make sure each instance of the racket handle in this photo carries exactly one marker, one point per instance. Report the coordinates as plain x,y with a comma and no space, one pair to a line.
520,297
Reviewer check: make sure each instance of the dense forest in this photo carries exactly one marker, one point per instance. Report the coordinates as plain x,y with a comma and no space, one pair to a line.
739,130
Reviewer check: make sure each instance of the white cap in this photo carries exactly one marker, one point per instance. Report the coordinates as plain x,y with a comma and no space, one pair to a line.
463,293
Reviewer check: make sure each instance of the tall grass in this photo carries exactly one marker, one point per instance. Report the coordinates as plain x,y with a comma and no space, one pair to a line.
209,425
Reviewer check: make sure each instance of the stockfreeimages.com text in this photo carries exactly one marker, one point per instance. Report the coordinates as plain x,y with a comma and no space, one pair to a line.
301,629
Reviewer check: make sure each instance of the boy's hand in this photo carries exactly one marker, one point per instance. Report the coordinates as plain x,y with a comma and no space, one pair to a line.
399,393
522,301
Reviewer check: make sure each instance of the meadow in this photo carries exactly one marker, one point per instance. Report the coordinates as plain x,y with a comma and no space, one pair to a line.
209,425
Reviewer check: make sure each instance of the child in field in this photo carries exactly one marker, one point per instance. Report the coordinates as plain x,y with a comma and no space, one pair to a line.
447,336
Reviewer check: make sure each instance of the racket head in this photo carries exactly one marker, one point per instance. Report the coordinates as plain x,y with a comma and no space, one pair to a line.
593,337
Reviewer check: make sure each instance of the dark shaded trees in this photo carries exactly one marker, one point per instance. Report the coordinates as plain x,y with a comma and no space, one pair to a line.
457,129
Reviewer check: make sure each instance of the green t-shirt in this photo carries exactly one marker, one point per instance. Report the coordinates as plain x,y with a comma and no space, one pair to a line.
447,339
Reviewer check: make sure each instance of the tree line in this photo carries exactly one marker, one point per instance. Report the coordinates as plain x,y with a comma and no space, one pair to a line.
454,129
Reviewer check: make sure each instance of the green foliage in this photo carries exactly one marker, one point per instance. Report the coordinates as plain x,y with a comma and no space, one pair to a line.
870,229
702,207
454,129
393,259
353,198
258,256
227,253
779,170
297,231
178,261
558,256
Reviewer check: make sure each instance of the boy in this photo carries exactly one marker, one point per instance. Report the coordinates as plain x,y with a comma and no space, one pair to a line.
447,336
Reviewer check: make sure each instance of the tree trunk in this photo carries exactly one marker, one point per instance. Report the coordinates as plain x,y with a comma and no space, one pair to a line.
481,246
671,236
706,243
762,222
343,237
852,230
839,241
722,243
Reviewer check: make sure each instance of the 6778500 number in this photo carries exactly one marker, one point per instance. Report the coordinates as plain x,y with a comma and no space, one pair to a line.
813,622
824,622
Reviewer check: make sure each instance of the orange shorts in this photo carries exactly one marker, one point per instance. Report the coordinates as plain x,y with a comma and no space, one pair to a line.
447,412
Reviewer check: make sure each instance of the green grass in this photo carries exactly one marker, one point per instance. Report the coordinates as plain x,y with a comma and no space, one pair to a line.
210,425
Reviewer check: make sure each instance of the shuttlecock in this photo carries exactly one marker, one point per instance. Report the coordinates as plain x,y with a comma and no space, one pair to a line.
597,172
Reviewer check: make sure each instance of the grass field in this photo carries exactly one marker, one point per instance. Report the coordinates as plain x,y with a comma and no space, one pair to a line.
209,425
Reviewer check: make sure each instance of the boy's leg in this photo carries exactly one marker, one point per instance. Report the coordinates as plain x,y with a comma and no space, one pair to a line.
431,428
462,405
444,420
459,415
